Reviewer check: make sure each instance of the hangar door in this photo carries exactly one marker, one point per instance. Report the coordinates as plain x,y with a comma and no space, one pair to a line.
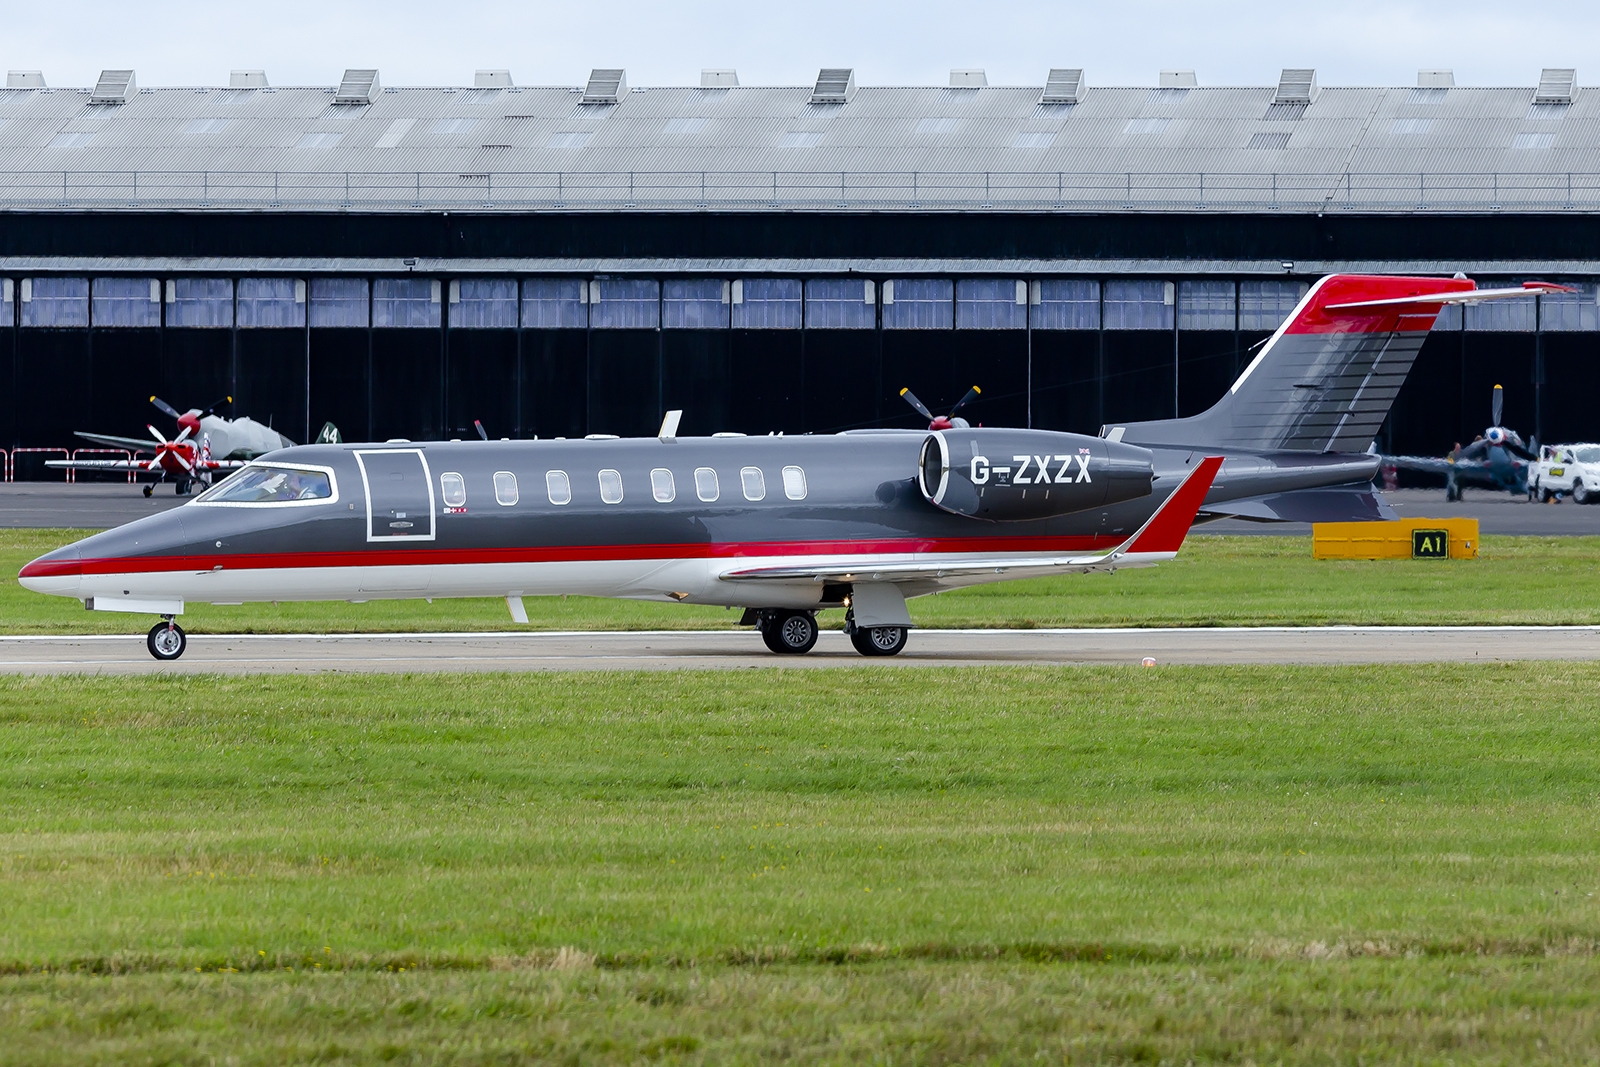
399,494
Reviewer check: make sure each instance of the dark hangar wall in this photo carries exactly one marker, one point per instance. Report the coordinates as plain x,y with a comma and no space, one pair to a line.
432,381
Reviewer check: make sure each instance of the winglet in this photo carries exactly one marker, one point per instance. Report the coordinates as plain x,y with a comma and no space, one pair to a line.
1165,530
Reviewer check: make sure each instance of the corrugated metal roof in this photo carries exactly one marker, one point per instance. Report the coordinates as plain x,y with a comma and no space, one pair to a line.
770,148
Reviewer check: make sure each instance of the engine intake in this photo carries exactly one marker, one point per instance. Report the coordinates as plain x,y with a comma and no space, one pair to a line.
1007,475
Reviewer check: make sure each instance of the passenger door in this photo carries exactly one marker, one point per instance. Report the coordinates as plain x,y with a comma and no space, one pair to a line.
399,489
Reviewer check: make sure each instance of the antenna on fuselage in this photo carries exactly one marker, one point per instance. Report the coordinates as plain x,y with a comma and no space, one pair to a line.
669,425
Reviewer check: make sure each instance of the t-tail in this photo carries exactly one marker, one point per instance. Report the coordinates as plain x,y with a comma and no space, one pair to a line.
1324,382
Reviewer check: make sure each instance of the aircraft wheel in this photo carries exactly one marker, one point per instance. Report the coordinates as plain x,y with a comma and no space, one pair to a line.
879,640
149,489
790,633
167,641
1451,494
1581,493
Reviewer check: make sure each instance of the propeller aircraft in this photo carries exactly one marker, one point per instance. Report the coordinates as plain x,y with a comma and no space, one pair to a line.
205,445
781,526
1497,460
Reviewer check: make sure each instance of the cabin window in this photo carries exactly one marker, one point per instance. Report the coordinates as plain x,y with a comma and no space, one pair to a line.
661,486
611,487
505,488
270,485
705,484
755,486
454,490
794,483
559,486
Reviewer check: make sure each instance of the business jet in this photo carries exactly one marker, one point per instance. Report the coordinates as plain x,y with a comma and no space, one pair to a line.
782,526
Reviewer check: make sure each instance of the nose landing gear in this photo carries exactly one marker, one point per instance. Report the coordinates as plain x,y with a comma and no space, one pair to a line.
167,640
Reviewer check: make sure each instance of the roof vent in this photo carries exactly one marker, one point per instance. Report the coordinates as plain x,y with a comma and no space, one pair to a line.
24,79
718,79
114,87
491,79
968,78
1296,85
605,86
247,79
1436,79
1064,86
835,85
1177,79
1557,85
357,87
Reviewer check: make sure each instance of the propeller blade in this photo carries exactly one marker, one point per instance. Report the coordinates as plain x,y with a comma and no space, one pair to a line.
183,460
921,408
154,464
178,440
164,407
215,404
160,438
1498,405
972,394
481,431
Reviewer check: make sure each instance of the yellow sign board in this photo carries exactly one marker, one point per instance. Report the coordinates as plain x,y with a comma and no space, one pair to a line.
1401,539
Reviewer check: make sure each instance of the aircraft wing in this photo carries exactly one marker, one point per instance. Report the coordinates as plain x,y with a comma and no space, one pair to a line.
1158,539
1428,464
132,444
95,464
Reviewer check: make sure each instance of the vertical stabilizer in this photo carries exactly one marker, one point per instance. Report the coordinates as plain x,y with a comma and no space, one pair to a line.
1324,382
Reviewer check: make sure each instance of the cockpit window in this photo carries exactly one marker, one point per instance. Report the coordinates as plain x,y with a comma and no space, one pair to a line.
258,484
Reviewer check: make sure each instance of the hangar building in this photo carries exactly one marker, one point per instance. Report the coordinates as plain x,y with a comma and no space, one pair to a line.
567,260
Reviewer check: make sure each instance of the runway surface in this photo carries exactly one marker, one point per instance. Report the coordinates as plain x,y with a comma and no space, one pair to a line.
671,650
97,505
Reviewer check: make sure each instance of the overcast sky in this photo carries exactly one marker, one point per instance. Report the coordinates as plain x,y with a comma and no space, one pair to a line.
298,42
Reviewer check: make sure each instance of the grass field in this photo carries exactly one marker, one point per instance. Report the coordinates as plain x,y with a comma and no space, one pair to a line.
863,865
1215,581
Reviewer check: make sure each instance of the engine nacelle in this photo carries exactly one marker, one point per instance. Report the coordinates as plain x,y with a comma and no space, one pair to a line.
1003,475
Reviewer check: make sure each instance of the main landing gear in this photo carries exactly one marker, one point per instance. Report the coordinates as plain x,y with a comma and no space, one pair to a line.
167,640
794,633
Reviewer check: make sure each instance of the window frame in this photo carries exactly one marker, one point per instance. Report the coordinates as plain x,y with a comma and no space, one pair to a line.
457,499
700,487
745,474
788,490
601,478
501,479
670,490
551,478
202,500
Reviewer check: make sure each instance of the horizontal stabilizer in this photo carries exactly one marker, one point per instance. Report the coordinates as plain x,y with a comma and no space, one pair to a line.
1324,382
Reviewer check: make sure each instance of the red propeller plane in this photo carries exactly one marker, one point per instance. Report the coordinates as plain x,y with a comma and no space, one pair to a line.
205,445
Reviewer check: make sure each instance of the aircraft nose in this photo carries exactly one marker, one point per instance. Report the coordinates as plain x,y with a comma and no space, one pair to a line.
55,572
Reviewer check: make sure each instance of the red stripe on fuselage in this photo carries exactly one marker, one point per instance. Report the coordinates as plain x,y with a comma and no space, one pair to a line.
1354,288
403,557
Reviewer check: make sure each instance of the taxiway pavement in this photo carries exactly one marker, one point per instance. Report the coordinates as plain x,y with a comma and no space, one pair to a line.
676,650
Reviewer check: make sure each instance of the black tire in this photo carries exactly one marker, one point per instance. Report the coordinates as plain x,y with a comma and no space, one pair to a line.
790,633
1451,494
879,640
1581,493
149,489
167,641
